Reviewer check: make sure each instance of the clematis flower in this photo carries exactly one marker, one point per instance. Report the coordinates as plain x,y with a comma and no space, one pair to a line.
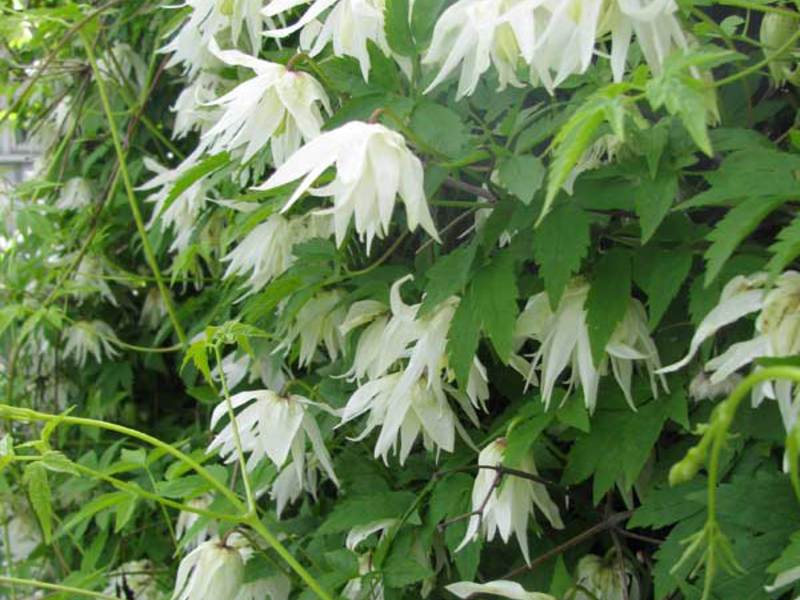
211,571
564,339
183,212
777,333
348,26
701,387
278,106
403,412
292,482
373,167
89,280
480,33
187,520
192,108
75,194
602,579
266,251
89,337
317,322
510,502
501,587
368,584
271,426
154,309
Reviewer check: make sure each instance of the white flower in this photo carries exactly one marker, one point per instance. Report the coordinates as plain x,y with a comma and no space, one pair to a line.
278,105
373,167
292,481
75,194
349,25
501,587
89,337
479,33
187,520
135,579
508,503
702,388
564,339
266,251
317,322
23,533
183,212
89,279
368,585
271,426
276,587
154,309
211,571
777,333
192,107
602,578
124,63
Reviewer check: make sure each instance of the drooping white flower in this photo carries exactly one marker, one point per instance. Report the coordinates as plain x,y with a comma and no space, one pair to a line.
373,167
564,339
75,194
500,587
278,106
186,523
317,322
777,333
347,24
183,212
507,503
702,388
601,577
192,108
266,251
271,426
134,577
478,33
154,309
211,571
89,279
368,584
292,482
89,337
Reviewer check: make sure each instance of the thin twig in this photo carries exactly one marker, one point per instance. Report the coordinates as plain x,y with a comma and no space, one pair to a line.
457,184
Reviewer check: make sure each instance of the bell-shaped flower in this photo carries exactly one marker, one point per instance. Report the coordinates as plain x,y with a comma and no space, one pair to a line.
296,479
777,333
154,310
507,503
348,25
266,251
563,336
135,578
89,337
271,426
185,526
373,166
317,323
90,279
403,411
192,108
278,106
182,214
607,578
75,194
500,587
211,571
479,33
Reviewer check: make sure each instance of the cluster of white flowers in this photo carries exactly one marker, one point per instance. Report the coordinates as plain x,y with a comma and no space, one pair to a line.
89,337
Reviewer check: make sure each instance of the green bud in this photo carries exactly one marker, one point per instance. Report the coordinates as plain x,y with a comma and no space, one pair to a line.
776,30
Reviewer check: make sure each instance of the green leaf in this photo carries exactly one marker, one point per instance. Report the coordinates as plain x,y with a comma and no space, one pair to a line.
440,128
397,27
124,511
495,291
35,479
447,277
740,222
423,20
661,273
522,176
192,176
524,435
654,198
786,249
576,135
58,463
608,299
559,245
360,510
93,507
463,338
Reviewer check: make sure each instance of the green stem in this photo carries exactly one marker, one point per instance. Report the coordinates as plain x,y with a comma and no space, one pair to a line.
126,179
757,6
11,581
762,63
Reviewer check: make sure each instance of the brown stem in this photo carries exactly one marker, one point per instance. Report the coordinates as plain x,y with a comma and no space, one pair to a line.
457,184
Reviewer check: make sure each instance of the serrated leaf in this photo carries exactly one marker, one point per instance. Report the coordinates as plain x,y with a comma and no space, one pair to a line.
559,245
661,274
495,290
654,198
525,434
35,478
360,510
440,128
608,299
447,277
423,20
58,463
397,27
737,224
522,176
786,249
463,337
